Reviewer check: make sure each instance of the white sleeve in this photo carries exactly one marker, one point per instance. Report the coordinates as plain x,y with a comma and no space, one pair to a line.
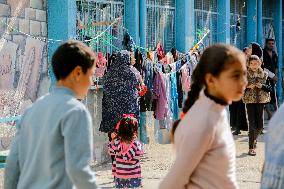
270,74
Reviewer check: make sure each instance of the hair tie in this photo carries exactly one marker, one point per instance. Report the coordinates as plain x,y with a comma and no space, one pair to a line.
182,114
127,115
123,116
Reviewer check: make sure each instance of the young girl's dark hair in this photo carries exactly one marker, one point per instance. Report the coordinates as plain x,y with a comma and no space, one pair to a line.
128,128
214,60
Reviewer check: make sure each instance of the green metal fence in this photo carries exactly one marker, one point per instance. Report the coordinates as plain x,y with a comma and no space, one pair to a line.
205,13
160,23
95,17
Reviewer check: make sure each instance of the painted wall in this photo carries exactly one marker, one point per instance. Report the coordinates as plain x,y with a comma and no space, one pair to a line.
23,57
94,104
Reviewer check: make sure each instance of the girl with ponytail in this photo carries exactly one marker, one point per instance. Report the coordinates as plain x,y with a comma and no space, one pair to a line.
205,149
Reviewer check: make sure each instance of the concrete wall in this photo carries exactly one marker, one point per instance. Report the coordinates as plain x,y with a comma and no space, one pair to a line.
94,104
23,57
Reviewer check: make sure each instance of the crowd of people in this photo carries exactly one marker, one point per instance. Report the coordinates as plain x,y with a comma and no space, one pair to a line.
260,95
53,146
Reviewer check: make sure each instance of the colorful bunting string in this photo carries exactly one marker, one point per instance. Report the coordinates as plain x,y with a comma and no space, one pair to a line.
9,119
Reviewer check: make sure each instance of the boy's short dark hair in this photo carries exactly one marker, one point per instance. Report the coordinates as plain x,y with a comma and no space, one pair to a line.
268,40
69,55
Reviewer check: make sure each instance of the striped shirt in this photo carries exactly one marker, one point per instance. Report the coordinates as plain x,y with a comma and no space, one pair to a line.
126,164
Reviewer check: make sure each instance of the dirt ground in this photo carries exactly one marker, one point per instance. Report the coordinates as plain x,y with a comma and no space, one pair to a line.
159,157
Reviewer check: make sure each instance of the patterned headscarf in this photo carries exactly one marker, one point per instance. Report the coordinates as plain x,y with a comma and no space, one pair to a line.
119,59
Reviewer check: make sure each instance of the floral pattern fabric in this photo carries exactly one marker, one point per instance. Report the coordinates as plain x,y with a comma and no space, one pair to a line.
256,95
120,94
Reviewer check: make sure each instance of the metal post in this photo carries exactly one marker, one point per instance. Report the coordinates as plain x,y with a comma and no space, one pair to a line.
259,23
131,15
61,25
143,23
184,25
223,21
278,38
251,21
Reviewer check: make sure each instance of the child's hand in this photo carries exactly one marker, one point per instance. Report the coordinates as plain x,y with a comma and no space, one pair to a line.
113,135
259,85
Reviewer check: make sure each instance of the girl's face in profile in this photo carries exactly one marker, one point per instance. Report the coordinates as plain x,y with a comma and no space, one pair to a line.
231,83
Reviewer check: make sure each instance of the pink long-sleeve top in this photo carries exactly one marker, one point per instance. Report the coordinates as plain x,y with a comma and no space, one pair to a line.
205,149
126,164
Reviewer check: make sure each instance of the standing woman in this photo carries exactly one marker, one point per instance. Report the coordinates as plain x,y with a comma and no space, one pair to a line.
120,94
205,149
256,96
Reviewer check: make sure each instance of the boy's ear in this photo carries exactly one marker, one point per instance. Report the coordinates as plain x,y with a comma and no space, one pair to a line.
77,72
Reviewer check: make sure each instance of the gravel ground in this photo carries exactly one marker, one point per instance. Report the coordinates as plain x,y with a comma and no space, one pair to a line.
158,159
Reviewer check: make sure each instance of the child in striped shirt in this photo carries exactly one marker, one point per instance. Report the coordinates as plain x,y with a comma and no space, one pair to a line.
127,151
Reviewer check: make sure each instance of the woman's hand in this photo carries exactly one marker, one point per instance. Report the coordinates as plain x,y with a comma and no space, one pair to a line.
251,86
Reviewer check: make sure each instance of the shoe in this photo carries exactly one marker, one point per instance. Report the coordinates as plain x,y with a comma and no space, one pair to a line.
236,132
252,152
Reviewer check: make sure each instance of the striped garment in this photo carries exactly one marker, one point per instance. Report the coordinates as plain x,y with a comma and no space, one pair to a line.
126,164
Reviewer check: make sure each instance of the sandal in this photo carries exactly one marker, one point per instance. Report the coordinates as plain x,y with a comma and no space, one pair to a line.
252,152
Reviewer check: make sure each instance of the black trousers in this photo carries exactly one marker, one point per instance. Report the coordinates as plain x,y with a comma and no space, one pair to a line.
255,121
238,119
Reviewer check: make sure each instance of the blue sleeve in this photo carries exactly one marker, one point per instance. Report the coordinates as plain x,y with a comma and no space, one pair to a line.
12,169
77,131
